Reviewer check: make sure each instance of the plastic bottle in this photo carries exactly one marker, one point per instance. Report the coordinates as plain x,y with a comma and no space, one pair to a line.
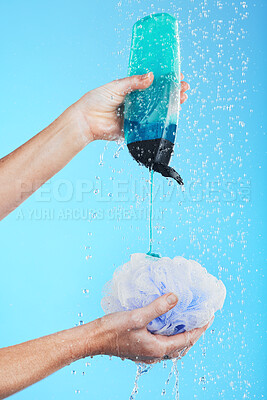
151,115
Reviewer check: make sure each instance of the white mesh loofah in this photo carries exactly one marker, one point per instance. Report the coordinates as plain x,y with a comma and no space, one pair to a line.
144,278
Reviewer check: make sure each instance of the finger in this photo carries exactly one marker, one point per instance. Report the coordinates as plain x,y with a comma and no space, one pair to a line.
186,351
183,97
205,328
132,83
195,334
184,86
120,111
179,353
185,339
182,75
158,307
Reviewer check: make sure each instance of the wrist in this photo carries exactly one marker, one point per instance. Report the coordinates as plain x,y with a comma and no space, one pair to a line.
78,125
87,340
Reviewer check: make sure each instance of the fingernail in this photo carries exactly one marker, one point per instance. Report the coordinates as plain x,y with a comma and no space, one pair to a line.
172,299
148,75
145,76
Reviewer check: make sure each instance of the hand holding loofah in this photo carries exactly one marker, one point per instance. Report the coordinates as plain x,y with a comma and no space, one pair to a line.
145,278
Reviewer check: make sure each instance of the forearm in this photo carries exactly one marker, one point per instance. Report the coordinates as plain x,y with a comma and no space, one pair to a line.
26,363
24,170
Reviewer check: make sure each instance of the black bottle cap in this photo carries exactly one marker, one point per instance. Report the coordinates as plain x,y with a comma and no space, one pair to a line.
167,171
155,154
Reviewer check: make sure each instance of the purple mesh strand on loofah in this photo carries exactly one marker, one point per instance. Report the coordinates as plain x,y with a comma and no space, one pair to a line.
144,278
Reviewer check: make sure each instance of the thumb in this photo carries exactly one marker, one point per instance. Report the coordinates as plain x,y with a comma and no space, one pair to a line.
159,307
132,83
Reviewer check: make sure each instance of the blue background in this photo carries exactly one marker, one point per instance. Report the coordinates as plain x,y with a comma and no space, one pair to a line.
52,53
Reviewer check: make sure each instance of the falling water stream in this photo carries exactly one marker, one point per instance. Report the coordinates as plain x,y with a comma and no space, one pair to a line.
144,369
141,370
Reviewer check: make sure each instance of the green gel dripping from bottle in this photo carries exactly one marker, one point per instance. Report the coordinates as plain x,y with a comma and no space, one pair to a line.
150,252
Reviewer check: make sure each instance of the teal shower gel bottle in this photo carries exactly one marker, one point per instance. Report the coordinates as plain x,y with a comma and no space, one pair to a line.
151,115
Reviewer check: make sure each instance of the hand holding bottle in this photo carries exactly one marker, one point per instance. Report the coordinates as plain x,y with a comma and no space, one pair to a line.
99,113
